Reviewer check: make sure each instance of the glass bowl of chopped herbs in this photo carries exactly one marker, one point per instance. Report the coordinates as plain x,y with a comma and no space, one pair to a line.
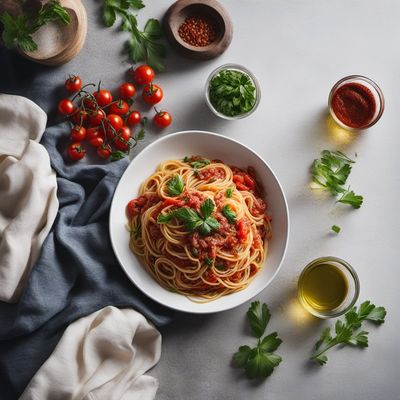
232,92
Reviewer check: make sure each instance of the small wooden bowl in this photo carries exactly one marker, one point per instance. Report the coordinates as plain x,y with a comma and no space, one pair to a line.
59,43
209,9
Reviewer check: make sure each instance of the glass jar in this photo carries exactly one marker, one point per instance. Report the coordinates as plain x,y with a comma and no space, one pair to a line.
331,271
239,68
356,102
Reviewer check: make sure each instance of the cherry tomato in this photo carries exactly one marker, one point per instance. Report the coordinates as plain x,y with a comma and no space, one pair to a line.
120,107
78,117
143,75
95,117
95,137
104,151
76,151
73,84
78,133
162,119
66,107
103,97
89,103
133,118
122,142
152,93
115,121
127,90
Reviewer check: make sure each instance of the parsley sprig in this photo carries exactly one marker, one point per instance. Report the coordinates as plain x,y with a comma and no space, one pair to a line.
18,30
259,361
142,46
347,331
204,222
330,173
232,93
175,185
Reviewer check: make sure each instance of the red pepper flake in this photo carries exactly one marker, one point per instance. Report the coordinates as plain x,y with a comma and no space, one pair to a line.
197,31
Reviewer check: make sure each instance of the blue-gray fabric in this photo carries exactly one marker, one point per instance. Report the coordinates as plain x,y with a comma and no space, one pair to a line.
76,274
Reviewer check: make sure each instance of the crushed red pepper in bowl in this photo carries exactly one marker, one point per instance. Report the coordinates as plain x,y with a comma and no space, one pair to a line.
197,31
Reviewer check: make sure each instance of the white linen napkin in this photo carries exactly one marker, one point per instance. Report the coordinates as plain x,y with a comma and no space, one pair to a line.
100,357
28,192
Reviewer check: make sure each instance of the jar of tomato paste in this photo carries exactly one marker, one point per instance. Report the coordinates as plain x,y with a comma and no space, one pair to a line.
356,102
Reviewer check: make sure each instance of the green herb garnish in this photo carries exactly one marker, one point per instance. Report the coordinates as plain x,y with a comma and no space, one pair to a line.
175,185
209,261
228,192
330,173
136,232
335,228
18,30
192,220
232,93
347,331
229,214
260,361
142,46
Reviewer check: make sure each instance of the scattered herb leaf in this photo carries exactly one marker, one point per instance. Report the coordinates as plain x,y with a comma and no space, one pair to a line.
175,185
229,192
260,361
229,214
335,228
330,173
346,330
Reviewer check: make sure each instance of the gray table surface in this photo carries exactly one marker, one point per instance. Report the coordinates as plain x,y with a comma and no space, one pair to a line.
298,49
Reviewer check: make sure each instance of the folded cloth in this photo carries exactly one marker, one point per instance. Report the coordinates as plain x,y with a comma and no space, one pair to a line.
28,192
77,272
100,357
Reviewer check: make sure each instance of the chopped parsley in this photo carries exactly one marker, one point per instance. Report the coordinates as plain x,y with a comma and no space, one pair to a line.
335,229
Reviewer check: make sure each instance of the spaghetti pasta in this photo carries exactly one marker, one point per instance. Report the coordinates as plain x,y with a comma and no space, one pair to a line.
200,227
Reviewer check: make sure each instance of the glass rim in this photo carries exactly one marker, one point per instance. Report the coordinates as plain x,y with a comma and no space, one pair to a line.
353,274
241,68
370,82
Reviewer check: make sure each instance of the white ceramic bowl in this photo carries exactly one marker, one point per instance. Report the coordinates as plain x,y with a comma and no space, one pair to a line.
212,146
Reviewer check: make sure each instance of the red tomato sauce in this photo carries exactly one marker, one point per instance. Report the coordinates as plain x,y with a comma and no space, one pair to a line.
354,105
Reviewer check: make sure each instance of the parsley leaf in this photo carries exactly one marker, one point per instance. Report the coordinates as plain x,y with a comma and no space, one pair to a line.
17,31
142,46
330,173
229,214
232,92
260,361
175,185
335,229
228,192
258,316
346,330
192,220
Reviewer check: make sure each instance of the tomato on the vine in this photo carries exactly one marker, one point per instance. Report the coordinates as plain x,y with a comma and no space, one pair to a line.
73,84
95,117
79,116
76,151
104,151
143,74
133,118
66,107
95,137
162,119
103,97
114,121
89,103
122,142
152,93
120,107
78,133
127,90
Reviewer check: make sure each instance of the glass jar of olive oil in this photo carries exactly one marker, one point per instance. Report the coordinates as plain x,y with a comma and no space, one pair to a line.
328,287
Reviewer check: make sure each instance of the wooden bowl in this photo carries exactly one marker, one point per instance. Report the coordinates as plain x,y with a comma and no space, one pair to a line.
209,9
59,43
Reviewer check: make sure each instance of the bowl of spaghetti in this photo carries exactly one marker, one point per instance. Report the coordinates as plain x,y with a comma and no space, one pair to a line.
199,222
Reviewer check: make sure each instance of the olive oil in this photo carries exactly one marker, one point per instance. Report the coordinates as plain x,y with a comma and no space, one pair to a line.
323,287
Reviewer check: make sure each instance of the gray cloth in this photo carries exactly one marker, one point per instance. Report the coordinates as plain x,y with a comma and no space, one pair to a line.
76,274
